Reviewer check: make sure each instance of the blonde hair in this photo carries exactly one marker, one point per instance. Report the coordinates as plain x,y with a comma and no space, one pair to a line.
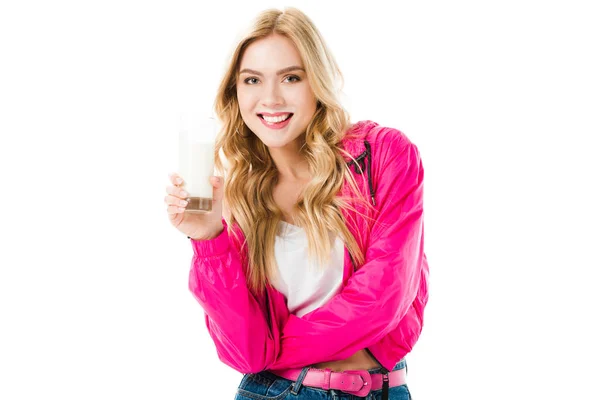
251,174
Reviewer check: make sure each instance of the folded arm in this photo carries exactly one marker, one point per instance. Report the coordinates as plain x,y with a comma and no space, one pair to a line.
380,293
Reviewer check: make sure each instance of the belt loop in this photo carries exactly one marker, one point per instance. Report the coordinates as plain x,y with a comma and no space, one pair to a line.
327,383
299,381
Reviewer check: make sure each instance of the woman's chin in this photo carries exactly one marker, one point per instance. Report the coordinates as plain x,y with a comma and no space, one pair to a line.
278,139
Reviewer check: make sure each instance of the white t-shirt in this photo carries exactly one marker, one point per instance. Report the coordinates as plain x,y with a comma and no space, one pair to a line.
304,284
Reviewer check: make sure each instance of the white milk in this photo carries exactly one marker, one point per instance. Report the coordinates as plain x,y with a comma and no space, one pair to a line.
196,162
196,165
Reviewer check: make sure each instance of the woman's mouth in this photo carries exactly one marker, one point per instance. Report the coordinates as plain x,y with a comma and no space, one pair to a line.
275,125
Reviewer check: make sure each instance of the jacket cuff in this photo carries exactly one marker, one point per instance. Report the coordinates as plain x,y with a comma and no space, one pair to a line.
212,247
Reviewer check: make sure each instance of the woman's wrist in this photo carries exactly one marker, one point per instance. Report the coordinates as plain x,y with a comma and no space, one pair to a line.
209,237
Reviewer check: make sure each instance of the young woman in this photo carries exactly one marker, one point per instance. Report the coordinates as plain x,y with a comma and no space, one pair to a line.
310,268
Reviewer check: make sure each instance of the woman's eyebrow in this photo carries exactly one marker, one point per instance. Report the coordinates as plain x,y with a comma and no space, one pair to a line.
280,72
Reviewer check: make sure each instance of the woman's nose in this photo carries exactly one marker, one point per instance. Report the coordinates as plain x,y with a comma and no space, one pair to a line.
272,95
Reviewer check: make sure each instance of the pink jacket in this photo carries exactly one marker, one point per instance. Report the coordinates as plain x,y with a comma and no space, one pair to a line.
381,304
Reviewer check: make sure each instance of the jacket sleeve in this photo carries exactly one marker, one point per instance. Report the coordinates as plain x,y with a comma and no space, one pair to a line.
380,293
235,318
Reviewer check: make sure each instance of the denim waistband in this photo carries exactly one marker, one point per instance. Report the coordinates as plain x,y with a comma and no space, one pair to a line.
266,382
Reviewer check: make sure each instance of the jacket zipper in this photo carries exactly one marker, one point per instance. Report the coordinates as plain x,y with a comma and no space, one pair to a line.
360,168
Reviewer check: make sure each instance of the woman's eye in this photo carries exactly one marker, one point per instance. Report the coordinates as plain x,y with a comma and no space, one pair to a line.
254,81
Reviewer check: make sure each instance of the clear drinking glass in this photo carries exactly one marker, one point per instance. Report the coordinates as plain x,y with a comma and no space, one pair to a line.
197,135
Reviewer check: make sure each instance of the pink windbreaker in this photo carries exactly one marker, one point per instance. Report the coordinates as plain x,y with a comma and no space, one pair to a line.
381,304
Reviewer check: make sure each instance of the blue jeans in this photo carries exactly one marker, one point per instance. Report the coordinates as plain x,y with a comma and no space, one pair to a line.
267,386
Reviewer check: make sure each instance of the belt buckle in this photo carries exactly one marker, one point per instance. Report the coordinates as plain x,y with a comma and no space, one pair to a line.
367,383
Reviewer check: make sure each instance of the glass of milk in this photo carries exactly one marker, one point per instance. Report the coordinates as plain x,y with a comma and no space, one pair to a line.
197,135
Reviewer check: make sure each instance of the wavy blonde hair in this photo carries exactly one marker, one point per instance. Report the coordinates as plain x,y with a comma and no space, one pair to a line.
250,174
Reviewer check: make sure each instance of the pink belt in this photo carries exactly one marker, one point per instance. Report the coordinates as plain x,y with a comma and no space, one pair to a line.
358,383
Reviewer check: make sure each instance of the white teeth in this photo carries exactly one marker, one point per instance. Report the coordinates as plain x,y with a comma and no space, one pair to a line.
274,120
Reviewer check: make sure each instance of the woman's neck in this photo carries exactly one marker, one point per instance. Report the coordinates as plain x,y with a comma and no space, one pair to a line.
291,164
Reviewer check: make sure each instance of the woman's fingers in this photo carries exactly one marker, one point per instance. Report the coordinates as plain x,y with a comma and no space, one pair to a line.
178,192
217,183
175,201
175,210
217,207
175,179
176,195
175,205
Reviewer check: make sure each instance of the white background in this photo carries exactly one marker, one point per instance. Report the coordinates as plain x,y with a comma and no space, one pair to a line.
502,99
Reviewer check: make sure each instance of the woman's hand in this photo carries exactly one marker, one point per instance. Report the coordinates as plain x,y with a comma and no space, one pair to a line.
198,226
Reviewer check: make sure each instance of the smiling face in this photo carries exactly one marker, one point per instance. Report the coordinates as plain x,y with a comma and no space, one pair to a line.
272,83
